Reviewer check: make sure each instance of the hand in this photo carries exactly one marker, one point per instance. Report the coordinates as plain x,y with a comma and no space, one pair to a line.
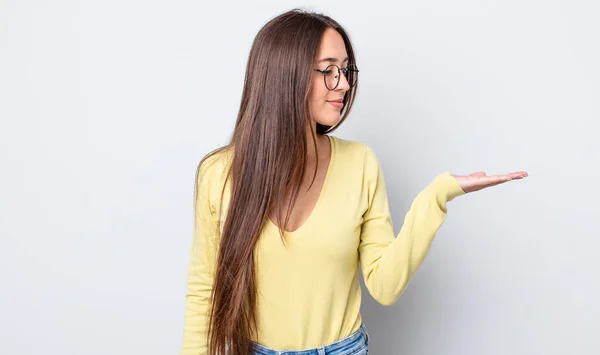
479,180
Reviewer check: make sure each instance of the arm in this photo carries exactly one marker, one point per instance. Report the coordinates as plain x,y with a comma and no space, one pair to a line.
200,269
389,263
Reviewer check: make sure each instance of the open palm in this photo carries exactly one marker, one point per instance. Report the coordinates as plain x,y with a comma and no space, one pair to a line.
479,180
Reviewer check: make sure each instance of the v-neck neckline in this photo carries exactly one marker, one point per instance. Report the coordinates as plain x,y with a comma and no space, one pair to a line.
318,205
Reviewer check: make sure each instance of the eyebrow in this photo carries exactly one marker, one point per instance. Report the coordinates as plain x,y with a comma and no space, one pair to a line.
331,59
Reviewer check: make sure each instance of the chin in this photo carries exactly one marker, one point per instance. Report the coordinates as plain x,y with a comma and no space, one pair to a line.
330,121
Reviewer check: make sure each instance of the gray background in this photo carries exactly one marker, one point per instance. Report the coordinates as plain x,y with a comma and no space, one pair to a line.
107,107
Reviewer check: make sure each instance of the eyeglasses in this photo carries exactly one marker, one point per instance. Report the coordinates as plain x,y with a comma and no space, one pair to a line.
331,75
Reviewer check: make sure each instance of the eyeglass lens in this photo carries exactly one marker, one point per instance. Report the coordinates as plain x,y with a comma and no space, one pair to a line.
333,73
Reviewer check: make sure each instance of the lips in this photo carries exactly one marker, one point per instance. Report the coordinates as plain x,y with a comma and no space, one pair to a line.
337,104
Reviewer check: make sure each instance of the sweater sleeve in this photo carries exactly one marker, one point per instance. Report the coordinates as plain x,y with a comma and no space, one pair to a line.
388,263
200,268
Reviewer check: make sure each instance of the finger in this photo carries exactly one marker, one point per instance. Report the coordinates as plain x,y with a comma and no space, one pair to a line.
514,175
499,178
517,175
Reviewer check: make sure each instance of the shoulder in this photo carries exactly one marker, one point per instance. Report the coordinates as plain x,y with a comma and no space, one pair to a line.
214,163
358,153
212,171
352,148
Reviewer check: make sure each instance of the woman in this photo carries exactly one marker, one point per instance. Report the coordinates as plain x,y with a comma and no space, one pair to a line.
286,211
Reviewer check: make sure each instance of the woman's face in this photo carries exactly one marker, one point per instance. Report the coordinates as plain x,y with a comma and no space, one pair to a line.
332,51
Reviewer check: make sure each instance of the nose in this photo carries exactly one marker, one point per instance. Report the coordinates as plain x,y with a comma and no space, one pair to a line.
343,85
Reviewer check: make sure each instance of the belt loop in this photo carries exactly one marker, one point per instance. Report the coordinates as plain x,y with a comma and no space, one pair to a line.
321,350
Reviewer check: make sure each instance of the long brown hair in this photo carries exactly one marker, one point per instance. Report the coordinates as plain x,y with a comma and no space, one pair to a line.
269,161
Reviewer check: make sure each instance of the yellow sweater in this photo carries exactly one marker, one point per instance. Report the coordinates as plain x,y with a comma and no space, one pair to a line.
308,291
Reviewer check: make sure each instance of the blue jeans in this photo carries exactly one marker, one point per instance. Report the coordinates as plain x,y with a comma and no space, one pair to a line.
355,344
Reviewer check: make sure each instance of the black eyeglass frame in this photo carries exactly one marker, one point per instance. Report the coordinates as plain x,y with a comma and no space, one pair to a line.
343,70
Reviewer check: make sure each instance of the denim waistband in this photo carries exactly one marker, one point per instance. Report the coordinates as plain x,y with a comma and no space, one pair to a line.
357,337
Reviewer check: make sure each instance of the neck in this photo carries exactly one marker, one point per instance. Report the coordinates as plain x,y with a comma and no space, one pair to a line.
322,142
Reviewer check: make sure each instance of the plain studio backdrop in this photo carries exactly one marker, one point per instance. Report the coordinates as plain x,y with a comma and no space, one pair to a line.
107,107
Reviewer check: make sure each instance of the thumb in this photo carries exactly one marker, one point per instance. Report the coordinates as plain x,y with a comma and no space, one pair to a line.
478,174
